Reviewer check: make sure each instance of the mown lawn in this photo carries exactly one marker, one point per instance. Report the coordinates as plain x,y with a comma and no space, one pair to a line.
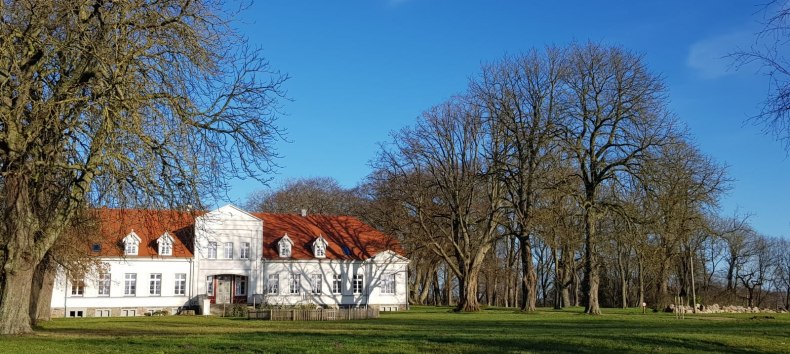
425,329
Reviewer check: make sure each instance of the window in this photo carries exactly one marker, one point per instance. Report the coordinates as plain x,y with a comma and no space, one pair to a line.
357,284
212,250
320,252
337,284
166,249
316,281
104,284
77,287
285,246
388,284
130,284
130,249
155,285
96,248
273,284
319,247
244,252
293,286
210,285
181,284
229,250
241,285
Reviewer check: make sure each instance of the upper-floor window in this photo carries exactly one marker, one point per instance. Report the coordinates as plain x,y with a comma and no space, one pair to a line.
244,251
228,250
285,245
319,247
358,284
131,244
212,250
77,287
165,244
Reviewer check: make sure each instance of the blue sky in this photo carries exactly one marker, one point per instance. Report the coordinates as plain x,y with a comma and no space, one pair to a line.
363,69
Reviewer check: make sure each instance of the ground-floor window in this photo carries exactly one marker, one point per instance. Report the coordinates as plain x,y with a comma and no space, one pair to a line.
210,285
130,284
104,284
77,288
357,284
181,284
156,285
128,312
103,313
294,283
337,284
316,281
273,284
241,285
388,284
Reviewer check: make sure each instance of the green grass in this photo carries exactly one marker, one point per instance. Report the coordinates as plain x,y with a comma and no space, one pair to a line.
424,329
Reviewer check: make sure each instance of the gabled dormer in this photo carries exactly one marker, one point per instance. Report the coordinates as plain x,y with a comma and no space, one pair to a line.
165,243
131,244
285,246
319,247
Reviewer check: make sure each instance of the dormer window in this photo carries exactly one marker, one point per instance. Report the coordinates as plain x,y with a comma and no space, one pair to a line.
285,245
131,244
165,244
319,247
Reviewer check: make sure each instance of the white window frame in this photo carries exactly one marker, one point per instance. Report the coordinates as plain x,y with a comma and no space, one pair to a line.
241,290
388,283
316,282
244,250
337,284
210,285
130,284
104,284
180,285
131,249
273,283
212,250
228,250
155,284
358,284
77,287
294,283
165,248
285,249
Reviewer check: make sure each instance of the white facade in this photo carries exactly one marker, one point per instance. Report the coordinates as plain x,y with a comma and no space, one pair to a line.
227,267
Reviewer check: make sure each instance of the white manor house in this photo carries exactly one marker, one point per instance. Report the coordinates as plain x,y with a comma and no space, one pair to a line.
155,260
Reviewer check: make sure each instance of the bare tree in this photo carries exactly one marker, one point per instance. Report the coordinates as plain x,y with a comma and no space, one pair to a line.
319,195
769,50
133,103
615,115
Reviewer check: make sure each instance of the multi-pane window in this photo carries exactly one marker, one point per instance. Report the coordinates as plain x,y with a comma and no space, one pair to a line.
285,249
210,285
315,282
130,284
130,249
155,287
77,287
212,250
388,284
293,284
104,284
320,249
357,284
228,250
181,284
166,248
273,284
244,252
241,285
337,284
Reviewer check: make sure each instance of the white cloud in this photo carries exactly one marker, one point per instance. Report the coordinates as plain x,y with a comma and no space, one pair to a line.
709,56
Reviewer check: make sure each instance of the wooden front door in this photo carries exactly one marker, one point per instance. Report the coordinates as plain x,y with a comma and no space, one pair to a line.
223,289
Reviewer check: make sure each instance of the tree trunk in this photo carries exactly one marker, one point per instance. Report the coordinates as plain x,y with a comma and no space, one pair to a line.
529,278
559,287
621,268
641,277
15,298
662,287
41,292
467,301
591,280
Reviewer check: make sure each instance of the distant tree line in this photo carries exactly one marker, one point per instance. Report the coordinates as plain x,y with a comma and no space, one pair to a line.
558,178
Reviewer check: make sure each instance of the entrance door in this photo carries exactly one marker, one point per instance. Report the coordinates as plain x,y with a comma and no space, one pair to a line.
223,289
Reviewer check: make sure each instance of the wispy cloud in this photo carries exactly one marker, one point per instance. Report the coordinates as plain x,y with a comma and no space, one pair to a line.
709,56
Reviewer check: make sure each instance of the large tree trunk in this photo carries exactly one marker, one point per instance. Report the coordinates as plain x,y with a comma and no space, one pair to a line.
467,301
529,278
15,297
41,292
662,287
591,280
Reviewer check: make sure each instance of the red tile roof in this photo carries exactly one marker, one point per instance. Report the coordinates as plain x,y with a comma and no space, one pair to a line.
149,225
348,237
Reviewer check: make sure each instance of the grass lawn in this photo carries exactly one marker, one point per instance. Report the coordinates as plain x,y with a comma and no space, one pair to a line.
422,329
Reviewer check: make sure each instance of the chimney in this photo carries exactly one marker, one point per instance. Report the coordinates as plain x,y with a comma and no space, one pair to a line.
304,212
